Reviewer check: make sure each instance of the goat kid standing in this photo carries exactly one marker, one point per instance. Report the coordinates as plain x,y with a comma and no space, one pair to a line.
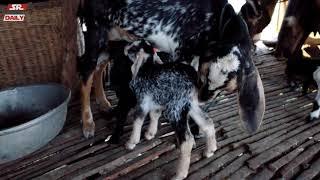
170,89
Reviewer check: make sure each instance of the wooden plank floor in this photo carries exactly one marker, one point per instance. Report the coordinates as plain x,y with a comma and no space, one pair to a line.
285,146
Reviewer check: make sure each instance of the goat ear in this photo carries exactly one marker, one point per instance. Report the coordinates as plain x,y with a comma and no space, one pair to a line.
226,14
137,63
251,100
195,63
232,27
157,59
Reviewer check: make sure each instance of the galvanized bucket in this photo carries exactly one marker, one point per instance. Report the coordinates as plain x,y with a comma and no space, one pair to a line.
30,116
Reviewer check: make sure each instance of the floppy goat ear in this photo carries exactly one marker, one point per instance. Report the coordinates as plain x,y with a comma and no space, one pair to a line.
251,93
251,100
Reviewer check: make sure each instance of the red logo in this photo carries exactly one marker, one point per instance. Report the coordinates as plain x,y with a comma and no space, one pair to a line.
17,7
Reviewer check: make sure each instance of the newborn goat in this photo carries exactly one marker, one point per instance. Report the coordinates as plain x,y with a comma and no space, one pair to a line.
169,89
120,76
307,71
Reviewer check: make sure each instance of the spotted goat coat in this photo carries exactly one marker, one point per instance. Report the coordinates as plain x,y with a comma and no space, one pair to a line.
209,29
170,89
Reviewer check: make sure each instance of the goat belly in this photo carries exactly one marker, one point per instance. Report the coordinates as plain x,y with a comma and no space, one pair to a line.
167,88
167,24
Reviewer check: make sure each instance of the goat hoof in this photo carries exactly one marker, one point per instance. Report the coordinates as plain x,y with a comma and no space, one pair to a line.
110,113
149,135
199,136
104,106
208,154
114,139
88,130
130,146
310,118
176,177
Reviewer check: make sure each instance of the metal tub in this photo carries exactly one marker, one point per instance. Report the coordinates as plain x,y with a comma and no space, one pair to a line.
30,116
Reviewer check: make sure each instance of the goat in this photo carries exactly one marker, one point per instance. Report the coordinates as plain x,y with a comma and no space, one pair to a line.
301,18
170,89
257,14
120,77
305,70
184,29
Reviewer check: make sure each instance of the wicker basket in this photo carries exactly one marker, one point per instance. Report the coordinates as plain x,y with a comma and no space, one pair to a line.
42,48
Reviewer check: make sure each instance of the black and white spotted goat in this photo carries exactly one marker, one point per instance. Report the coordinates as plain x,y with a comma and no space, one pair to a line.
169,89
209,29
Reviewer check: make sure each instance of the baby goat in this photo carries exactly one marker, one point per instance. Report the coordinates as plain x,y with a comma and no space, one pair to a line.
120,76
169,89
307,71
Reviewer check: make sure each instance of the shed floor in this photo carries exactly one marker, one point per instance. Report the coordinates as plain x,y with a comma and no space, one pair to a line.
285,146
